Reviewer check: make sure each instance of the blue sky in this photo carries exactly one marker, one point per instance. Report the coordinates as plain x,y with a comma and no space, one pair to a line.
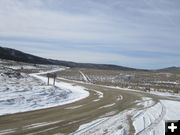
134,33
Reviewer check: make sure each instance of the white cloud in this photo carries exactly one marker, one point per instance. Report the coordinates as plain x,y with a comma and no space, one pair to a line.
139,25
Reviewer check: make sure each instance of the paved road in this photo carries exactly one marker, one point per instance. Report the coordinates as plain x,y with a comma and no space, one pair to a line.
67,118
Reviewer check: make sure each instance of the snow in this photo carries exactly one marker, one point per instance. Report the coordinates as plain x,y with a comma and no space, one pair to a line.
36,125
23,92
120,97
74,107
166,82
165,94
77,92
173,109
36,66
109,114
26,94
152,120
100,94
114,125
7,131
108,105
145,102
57,69
149,120
84,77
43,131
146,118
172,113
83,128
95,100
21,67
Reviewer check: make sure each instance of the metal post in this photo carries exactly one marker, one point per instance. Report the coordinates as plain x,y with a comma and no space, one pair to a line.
54,81
48,80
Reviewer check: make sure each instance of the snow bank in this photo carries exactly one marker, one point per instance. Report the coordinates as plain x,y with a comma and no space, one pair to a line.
146,119
85,127
20,93
172,113
152,120
115,125
172,109
77,92
165,94
25,94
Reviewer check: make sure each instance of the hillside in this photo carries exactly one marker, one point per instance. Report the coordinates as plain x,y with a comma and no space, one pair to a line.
16,55
171,69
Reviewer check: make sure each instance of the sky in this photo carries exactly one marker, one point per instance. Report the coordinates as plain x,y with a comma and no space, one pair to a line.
135,33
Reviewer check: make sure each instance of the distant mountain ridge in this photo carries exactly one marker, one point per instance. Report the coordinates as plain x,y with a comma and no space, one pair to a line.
16,55
174,68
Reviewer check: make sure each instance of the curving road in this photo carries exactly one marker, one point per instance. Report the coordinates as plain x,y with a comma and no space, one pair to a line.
66,119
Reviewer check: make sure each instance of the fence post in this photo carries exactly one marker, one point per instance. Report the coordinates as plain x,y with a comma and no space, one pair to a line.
54,81
48,80
54,75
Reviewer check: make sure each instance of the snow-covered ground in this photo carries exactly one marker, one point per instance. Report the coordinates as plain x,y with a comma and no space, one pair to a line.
172,112
163,94
77,92
119,123
154,92
173,109
115,125
21,92
29,67
147,121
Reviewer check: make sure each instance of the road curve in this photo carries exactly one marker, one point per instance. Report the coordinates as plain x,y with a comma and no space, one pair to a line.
66,119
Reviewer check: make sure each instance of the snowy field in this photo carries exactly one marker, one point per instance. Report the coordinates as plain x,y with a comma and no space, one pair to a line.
20,92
